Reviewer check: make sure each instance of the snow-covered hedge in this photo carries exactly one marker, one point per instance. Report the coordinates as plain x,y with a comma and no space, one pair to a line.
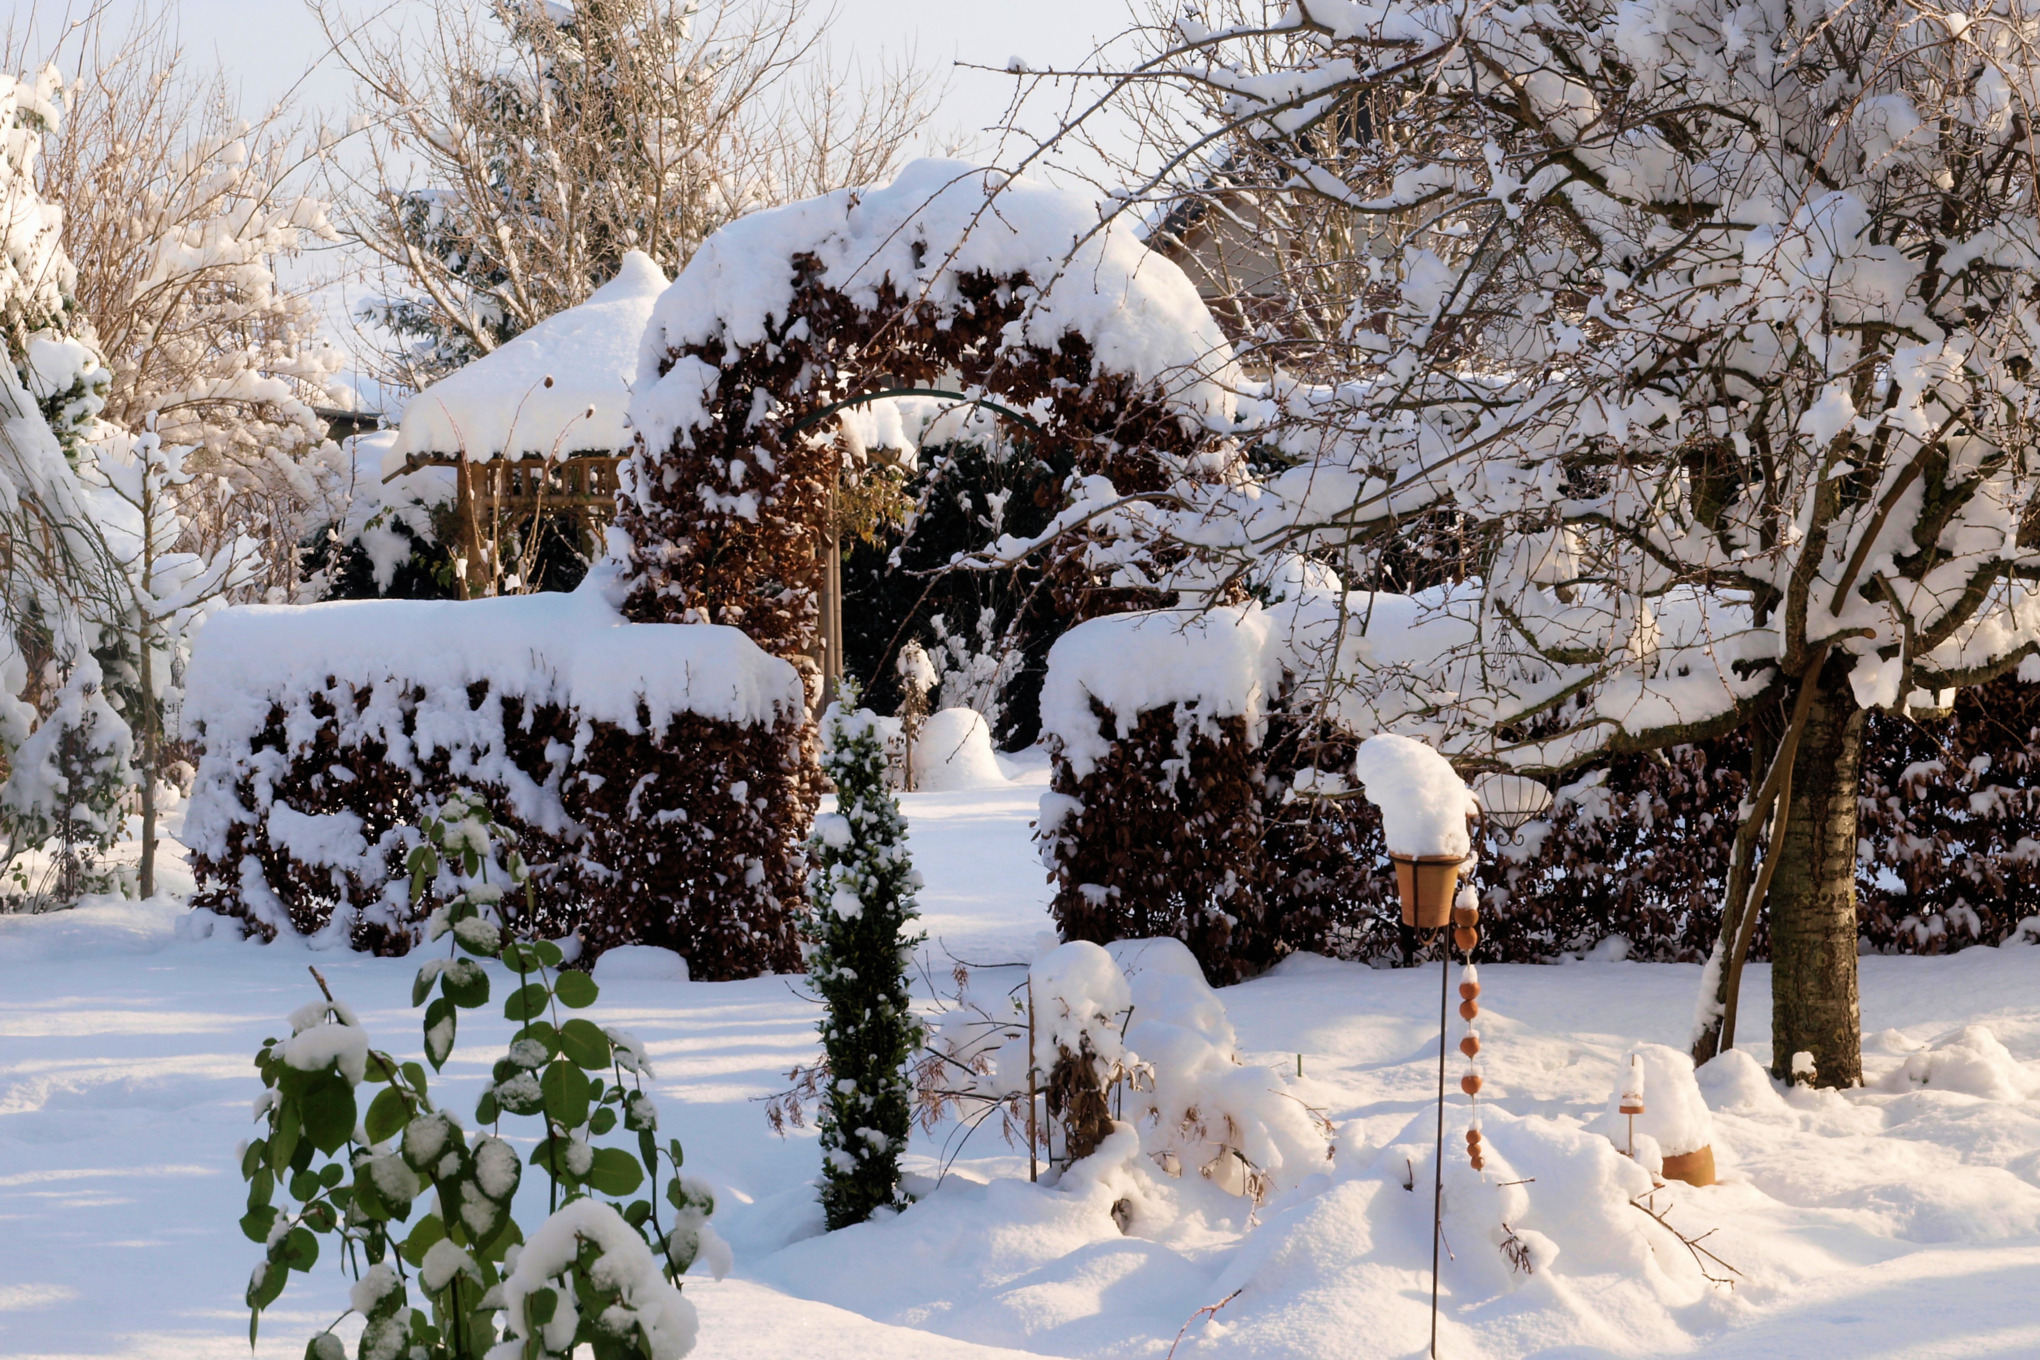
653,772
1185,757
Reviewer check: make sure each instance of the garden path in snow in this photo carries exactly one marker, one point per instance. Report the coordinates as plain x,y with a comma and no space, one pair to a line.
1900,1221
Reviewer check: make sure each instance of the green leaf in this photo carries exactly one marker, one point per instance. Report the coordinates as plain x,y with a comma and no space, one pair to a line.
582,1041
566,1094
256,1223
330,1176
480,936
254,1158
539,1307
414,1076
300,1250
520,958
602,1121
673,1150
441,1024
430,1230
421,986
548,953
303,1185
637,1212
527,1002
575,989
640,1114
541,1032
615,1172
329,1112
487,1111
465,984
265,1286
283,1142
320,1217
261,1187
648,1152
325,1346
387,1113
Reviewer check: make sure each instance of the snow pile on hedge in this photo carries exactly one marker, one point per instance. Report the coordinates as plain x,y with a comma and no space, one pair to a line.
1225,662
934,224
560,388
568,648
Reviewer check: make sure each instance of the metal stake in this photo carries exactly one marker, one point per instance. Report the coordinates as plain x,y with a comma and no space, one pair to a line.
1438,1157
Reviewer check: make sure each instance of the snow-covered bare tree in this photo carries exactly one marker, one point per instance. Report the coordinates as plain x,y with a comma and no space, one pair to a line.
1705,328
509,152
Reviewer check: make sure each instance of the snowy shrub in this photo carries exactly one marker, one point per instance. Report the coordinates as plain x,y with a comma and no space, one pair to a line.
655,772
861,887
1130,1035
603,1270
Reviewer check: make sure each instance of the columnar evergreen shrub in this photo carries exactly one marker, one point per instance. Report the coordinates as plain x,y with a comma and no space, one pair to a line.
603,1270
861,883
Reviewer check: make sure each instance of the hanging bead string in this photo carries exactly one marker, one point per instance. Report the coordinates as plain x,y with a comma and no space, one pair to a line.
1466,935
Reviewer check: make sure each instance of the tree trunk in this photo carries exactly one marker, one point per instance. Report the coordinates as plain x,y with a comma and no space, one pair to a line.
1813,896
151,760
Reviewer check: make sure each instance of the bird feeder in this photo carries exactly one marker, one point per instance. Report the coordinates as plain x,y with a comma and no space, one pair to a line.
1510,802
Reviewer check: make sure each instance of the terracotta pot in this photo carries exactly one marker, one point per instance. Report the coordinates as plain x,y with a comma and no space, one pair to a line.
1427,884
1694,1168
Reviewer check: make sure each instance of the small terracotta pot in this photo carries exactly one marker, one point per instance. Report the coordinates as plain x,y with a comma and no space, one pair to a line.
1694,1168
1426,885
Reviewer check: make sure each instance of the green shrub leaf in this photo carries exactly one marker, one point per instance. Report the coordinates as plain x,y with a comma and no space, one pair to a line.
527,1002
441,1023
583,1041
615,1172
575,989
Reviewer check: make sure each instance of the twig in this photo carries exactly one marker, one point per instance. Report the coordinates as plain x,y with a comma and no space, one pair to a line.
322,983
1692,1244
1210,1309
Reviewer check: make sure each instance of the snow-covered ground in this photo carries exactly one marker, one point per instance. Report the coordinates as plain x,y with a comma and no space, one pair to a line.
1898,1221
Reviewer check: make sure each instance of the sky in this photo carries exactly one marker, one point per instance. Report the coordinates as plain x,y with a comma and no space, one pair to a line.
271,47
268,44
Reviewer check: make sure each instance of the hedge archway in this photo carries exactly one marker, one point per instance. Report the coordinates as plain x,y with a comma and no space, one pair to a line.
952,279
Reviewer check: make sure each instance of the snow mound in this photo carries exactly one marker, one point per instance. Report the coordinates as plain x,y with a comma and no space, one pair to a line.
953,752
1733,1080
501,405
1970,1061
1347,1271
1152,1024
639,963
1424,803
1675,1118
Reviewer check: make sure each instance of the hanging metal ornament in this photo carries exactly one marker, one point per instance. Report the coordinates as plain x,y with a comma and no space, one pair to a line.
1510,802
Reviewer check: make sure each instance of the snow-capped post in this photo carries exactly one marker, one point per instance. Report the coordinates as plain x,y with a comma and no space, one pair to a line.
862,887
917,678
1426,816
1631,1101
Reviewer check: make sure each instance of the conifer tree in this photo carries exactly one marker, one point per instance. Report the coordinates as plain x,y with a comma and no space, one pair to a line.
862,884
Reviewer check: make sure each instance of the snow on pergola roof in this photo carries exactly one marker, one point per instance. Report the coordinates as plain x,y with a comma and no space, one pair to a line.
500,406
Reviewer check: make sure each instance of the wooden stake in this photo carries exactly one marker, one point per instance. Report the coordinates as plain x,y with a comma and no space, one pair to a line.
1033,1166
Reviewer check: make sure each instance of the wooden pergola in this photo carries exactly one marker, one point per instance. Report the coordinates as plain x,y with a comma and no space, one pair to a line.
494,497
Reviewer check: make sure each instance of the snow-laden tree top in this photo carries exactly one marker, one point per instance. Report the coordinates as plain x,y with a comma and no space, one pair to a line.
1699,334
557,389
919,238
